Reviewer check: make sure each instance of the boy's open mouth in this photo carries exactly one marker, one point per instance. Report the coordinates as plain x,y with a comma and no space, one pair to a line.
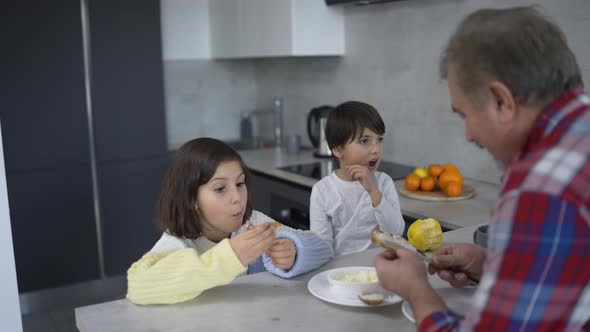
372,163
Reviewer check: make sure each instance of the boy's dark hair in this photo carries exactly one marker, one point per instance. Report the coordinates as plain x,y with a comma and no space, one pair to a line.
195,164
347,121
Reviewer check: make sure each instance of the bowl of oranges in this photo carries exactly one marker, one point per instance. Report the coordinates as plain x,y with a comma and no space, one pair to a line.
436,182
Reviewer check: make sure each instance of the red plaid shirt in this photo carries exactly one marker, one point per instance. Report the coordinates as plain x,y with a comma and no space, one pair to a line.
537,272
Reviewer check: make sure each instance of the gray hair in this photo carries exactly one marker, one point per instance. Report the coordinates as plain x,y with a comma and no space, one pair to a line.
519,47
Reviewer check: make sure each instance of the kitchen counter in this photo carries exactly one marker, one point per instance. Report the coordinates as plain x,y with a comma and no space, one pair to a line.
452,215
268,161
259,302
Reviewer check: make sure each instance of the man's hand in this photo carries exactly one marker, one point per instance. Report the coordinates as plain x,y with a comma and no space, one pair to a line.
283,253
250,244
367,179
464,257
401,272
404,273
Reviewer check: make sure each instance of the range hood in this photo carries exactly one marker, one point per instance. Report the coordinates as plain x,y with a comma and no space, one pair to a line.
357,2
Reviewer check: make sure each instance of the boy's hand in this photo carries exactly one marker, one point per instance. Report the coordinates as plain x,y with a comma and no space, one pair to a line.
363,175
251,243
367,179
283,253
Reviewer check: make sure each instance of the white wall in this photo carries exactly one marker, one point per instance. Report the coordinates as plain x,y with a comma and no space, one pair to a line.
391,62
205,98
9,303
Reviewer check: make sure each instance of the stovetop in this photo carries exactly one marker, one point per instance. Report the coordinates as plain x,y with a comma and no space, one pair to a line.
322,168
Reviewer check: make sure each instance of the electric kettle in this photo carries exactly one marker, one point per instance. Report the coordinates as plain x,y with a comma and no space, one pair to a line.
316,130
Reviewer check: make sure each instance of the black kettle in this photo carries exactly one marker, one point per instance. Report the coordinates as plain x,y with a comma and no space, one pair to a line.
316,125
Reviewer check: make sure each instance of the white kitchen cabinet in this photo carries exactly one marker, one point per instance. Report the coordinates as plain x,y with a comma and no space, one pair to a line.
185,29
275,28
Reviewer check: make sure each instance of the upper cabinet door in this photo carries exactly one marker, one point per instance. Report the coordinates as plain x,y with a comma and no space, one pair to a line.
275,28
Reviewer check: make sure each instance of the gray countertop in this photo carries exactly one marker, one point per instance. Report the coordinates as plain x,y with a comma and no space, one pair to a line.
453,215
258,302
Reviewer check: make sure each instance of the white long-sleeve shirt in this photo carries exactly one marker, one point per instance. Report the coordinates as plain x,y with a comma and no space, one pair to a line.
342,213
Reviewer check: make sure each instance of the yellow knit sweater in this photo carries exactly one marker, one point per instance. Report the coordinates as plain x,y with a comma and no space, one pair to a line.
180,275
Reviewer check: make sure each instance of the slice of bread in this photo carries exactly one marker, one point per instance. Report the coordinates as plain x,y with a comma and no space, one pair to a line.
389,241
372,298
274,223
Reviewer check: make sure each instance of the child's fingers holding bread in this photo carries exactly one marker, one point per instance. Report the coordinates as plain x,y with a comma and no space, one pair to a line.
252,243
264,239
260,235
249,225
255,231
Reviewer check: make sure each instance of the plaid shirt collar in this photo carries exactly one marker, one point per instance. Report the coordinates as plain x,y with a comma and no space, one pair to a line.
548,120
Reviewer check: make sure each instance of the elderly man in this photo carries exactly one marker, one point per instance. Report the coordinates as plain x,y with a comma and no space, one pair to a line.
516,84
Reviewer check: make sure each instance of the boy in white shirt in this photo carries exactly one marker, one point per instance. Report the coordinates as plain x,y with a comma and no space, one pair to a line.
347,205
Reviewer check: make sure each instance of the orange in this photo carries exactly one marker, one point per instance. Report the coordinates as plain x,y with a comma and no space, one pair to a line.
451,167
434,170
412,182
427,184
448,176
453,189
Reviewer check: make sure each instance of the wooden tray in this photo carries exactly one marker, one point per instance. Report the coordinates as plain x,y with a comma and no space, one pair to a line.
436,195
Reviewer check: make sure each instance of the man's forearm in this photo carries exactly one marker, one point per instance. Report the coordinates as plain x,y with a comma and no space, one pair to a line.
424,302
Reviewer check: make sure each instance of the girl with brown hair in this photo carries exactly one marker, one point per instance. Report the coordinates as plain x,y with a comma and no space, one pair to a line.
210,232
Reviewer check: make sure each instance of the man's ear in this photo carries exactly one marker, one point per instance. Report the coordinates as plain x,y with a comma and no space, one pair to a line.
504,102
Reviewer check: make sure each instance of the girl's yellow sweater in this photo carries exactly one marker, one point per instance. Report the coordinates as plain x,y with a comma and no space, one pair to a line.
179,269
180,275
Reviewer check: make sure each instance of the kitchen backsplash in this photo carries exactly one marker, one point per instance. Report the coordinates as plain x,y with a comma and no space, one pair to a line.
391,62
205,98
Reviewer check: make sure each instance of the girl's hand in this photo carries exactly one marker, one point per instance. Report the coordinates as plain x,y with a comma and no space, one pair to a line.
283,253
363,175
250,244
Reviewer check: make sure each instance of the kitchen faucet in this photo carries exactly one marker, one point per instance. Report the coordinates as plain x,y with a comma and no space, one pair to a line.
278,115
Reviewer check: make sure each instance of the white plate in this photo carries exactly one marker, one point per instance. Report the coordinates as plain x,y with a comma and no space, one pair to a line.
319,286
457,299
